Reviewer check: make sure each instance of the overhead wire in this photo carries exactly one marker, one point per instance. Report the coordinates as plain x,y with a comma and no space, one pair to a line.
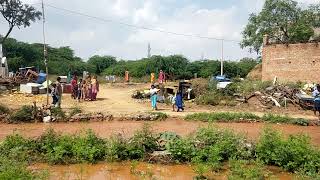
138,27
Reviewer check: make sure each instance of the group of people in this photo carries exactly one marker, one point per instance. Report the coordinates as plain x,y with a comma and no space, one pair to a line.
85,89
176,100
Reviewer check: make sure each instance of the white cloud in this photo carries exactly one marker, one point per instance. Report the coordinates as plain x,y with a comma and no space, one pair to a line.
90,36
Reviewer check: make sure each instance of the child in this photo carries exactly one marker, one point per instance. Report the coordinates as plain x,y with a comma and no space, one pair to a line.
154,97
79,90
173,101
54,94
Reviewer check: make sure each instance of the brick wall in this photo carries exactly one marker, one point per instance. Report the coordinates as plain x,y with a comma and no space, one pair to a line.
293,62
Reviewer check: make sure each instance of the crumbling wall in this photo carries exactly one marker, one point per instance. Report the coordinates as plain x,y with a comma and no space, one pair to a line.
291,62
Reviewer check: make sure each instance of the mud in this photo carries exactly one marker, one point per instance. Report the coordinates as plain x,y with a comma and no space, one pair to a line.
127,170
127,128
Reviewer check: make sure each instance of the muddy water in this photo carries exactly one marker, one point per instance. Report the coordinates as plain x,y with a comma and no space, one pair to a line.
128,171
105,129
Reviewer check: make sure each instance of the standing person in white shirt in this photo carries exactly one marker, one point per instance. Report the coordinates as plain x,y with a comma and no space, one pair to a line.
154,97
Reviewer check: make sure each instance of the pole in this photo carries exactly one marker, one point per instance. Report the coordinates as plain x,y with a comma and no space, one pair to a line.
45,50
222,58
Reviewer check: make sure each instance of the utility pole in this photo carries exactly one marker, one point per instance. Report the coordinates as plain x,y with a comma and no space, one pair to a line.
45,53
222,57
149,50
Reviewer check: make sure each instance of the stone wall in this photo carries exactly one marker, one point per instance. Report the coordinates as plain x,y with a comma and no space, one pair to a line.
292,62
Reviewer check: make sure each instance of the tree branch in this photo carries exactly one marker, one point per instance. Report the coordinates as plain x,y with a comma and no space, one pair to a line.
7,35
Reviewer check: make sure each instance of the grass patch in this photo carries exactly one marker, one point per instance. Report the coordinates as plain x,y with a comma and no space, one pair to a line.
245,117
222,117
159,116
24,114
242,169
74,111
58,113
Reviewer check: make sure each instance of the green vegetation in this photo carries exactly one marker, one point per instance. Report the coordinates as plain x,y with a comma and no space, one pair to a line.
75,110
24,114
160,116
284,21
208,149
245,117
62,60
4,109
222,117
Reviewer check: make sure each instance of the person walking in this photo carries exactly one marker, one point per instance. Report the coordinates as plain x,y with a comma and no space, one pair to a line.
179,101
58,91
162,77
154,97
94,88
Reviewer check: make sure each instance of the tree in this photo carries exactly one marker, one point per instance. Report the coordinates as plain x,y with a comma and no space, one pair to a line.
283,20
101,62
17,15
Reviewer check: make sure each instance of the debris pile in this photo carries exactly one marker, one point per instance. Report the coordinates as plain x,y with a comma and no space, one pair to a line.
278,95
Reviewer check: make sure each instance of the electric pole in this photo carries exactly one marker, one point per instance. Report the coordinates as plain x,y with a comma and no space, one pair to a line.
45,53
222,57
149,50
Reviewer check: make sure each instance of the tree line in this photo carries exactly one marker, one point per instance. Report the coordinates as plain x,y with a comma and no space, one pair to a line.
62,61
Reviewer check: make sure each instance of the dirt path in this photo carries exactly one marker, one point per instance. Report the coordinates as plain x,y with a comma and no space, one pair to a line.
106,129
116,100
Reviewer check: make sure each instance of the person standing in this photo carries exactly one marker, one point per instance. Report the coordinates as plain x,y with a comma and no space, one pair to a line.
152,78
80,90
162,77
179,101
53,88
74,85
58,92
94,88
154,97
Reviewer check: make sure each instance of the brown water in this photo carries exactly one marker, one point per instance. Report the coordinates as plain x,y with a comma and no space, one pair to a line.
127,171
181,127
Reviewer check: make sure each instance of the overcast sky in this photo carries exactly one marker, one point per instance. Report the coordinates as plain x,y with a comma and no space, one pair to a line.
212,18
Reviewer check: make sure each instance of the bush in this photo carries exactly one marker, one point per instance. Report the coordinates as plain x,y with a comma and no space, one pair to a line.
182,150
285,119
4,109
58,113
24,114
74,111
294,154
116,149
240,169
222,117
209,98
142,142
88,148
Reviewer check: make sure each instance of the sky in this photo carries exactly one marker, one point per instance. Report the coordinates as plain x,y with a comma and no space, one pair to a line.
222,19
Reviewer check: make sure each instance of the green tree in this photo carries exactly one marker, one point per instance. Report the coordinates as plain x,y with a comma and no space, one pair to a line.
17,14
101,62
283,20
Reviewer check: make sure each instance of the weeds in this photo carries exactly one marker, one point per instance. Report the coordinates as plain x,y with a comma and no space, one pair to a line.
58,113
222,117
294,154
74,111
208,149
245,117
159,116
24,114
4,109
240,169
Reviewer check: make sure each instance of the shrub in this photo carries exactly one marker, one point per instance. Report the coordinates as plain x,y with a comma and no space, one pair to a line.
222,117
116,149
12,169
182,150
89,148
143,141
240,169
74,111
209,98
294,154
58,113
24,114
4,109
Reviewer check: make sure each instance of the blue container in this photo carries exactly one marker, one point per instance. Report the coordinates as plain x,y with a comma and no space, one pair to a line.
41,78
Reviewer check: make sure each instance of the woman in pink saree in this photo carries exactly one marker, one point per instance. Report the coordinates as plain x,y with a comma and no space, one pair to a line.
94,88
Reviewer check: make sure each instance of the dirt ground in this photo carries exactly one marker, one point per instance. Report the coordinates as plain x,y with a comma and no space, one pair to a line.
116,100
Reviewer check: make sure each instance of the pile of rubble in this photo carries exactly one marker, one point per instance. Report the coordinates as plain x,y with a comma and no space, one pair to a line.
278,95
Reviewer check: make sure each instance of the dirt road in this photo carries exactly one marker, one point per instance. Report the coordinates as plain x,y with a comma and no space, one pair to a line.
116,100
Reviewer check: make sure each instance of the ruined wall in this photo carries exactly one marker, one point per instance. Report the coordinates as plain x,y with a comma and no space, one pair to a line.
293,62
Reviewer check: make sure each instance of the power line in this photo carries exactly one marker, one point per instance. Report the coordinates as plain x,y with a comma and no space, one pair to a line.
139,27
